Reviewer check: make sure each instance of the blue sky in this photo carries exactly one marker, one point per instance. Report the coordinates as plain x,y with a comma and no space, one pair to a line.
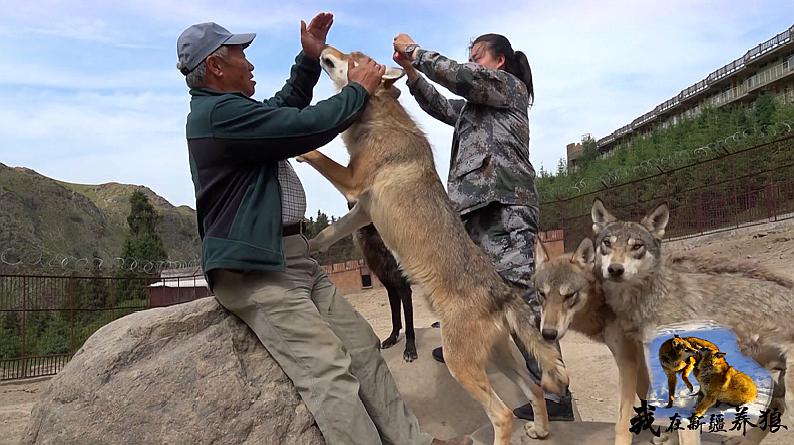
91,94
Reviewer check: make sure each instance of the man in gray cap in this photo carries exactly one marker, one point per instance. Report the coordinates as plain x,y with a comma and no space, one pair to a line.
249,206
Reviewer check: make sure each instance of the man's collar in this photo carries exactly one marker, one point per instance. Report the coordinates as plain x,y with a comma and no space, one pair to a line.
195,92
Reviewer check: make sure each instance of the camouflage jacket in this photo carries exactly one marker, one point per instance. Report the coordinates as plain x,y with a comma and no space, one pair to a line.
490,146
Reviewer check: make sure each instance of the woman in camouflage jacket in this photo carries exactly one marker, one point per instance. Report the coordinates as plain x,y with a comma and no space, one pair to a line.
491,181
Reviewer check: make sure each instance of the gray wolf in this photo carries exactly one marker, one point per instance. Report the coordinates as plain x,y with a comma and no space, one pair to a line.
392,180
643,292
571,297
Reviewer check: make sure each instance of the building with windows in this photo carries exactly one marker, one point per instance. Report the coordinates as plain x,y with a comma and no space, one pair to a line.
767,68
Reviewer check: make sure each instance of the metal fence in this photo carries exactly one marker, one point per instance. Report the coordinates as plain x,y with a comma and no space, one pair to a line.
45,319
739,188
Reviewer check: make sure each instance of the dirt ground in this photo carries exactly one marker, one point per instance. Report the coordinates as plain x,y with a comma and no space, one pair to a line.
592,369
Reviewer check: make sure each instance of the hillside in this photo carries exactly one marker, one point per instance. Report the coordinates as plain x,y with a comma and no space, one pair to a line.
38,213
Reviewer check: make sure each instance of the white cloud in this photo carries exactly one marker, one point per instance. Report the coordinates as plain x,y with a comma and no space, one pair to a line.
96,138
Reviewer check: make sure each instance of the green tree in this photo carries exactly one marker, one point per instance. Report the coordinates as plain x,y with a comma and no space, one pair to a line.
764,109
143,242
562,167
10,339
313,227
589,151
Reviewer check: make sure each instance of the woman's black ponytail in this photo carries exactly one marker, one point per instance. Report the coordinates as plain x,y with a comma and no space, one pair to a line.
516,62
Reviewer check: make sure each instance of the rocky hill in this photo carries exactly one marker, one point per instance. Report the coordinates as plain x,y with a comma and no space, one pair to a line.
38,213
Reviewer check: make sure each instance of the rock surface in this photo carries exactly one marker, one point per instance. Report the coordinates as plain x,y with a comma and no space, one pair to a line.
191,373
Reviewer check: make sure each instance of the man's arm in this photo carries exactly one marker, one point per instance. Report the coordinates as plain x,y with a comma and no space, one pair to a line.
297,91
255,132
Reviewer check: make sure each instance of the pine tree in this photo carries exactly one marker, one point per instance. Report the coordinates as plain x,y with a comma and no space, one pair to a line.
562,167
143,243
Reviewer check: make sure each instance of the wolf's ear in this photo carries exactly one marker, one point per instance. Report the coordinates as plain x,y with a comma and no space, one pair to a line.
584,254
676,336
601,217
657,220
541,256
391,75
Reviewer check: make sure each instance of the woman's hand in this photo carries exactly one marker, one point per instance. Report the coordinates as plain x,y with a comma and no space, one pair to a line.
405,63
402,60
401,42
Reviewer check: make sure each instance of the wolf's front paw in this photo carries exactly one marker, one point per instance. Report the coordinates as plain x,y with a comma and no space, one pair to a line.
307,157
555,380
536,431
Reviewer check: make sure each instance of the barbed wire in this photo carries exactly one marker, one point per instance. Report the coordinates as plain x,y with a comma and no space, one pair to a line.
684,157
16,258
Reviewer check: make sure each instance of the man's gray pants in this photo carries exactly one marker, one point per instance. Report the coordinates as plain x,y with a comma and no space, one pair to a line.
328,350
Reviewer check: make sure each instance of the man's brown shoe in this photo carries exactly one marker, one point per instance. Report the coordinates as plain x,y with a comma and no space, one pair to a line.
462,440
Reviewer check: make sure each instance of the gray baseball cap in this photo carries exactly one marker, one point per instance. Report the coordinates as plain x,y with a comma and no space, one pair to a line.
199,41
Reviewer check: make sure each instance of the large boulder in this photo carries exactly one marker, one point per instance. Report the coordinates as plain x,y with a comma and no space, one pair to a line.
187,374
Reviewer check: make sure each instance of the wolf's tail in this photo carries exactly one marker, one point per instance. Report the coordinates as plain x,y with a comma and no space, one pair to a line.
521,322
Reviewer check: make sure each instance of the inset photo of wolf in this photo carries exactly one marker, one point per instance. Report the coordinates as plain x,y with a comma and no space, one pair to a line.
697,369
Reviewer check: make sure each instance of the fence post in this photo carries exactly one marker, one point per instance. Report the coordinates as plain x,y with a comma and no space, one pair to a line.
70,291
24,325
562,222
700,212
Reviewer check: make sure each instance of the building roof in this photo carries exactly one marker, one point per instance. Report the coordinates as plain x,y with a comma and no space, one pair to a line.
191,271
182,281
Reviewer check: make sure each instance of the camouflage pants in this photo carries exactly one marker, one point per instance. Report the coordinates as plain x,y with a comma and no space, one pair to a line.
506,233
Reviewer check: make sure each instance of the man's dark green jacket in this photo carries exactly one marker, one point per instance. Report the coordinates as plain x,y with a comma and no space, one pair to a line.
235,143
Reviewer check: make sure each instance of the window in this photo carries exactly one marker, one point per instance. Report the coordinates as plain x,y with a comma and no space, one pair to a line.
366,281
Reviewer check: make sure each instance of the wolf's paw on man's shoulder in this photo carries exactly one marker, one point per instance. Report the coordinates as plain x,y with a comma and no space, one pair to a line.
308,156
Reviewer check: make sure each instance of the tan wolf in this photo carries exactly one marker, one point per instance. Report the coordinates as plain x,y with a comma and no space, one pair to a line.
721,382
392,180
644,293
679,355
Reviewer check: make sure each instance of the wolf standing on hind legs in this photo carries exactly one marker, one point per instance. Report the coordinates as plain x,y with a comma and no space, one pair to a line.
392,179
491,181
756,304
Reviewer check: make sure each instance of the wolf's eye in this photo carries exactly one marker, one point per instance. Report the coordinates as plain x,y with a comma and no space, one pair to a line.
607,243
637,246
